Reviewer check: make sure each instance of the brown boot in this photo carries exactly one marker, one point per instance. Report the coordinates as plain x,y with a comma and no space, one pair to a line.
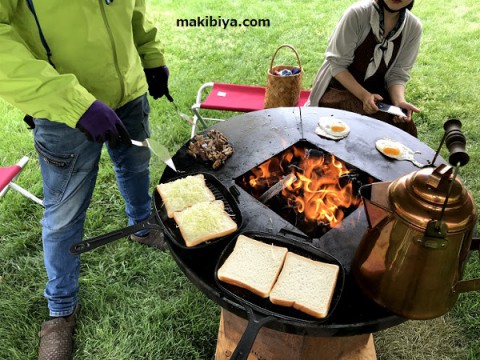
155,238
56,338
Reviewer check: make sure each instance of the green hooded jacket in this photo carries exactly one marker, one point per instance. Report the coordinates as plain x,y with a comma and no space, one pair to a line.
98,50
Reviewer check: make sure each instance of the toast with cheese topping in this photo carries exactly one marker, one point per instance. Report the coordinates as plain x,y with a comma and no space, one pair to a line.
204,221
182,193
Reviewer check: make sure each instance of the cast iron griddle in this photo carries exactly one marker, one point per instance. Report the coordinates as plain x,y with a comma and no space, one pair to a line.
256,137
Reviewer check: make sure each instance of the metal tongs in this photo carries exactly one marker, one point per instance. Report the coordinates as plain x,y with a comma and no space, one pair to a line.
181,114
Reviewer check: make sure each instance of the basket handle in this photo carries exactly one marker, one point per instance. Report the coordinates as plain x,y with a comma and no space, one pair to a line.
289,46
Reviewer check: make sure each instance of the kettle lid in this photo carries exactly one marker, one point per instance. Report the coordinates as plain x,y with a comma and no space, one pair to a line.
419,197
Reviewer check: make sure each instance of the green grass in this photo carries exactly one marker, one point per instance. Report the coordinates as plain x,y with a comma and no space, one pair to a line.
136,303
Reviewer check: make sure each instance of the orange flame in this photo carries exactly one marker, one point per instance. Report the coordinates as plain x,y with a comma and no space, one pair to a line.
315,189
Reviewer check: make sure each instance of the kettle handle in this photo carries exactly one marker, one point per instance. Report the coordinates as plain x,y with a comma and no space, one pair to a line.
455,142
471,284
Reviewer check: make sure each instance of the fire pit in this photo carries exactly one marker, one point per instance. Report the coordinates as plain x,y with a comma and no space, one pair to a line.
311,189
274,147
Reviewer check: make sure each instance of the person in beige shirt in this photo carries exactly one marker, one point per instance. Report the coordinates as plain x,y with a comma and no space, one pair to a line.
368,59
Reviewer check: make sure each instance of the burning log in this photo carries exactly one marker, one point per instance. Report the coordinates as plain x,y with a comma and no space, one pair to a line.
279,186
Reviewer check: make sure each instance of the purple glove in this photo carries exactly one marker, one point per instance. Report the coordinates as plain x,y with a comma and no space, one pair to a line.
100,123
157,79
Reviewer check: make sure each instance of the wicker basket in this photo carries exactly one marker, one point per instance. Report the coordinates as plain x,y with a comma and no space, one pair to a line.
283,91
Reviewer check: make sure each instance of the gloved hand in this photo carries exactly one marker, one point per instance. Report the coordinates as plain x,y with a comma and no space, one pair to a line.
157,79
100,123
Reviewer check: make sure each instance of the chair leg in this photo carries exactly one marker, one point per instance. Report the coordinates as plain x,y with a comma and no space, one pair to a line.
196,117
25,193
10,174
196,108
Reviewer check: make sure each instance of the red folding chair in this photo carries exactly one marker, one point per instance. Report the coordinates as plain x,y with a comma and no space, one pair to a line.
231,97
9,174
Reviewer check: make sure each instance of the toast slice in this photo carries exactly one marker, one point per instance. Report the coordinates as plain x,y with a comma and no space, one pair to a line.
204,221
182,193
305,284
253,265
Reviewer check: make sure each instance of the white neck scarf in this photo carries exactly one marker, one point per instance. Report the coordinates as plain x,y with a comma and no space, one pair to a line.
384,48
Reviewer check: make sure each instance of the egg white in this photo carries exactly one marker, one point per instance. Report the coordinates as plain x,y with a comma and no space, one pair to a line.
326,124
382,144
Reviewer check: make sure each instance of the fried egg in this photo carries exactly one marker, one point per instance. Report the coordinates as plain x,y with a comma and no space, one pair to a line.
398,151
393,149
332,128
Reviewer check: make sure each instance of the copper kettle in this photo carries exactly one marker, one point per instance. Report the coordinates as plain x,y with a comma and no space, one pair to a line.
412,257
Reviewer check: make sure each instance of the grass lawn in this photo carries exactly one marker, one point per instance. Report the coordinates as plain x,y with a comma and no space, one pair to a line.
136,302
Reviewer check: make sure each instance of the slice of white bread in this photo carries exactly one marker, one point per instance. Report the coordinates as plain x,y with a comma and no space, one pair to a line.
182,193
305,284
253,265
204,221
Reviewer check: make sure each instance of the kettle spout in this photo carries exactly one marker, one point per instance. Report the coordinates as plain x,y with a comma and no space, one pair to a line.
375,199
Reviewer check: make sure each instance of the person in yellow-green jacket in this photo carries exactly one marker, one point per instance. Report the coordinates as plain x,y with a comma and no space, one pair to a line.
81,69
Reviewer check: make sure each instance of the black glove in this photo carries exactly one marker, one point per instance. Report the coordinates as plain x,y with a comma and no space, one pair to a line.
157,79
100,123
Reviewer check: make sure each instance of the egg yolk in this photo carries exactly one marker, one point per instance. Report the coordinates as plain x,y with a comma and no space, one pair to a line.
337,128
393,151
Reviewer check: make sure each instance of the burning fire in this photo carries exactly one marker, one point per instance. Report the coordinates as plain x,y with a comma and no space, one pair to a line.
313,184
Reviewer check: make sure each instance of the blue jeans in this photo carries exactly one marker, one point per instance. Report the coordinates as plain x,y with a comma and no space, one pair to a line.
69,166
